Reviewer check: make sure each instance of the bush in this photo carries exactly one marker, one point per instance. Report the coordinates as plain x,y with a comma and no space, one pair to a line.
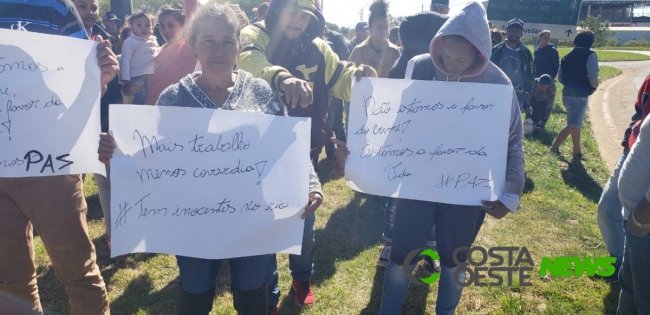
529,40
636,43
601,29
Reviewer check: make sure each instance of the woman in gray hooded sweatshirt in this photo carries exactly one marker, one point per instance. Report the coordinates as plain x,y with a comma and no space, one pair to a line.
459,52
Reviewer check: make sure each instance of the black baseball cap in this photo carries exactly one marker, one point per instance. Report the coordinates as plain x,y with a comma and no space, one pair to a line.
361,26
109,16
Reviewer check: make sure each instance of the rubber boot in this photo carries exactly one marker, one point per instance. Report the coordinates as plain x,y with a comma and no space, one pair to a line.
251,302
194,304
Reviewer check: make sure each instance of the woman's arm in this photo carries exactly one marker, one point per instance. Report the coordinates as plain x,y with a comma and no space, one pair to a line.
190,6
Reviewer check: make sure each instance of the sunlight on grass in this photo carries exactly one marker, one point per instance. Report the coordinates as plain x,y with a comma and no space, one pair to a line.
557,217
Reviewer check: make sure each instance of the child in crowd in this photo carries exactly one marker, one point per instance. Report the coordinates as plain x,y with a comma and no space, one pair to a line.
137,61
539,104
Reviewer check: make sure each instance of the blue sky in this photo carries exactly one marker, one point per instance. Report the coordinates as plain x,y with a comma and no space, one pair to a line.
346,12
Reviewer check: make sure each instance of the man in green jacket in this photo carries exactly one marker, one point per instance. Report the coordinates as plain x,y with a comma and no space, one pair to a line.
516,60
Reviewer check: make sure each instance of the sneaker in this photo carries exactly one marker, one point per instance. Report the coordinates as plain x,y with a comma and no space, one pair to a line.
273,310
432,265
384,257
303,291
609,279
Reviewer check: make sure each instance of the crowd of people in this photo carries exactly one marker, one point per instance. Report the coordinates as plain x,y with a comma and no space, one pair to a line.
287,62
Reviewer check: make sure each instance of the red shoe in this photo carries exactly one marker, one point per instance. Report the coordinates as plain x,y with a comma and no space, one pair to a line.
273,310
304,292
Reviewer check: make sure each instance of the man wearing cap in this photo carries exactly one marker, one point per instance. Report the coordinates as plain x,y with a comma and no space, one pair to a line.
111,24
361,33
286,50
516,60
261,11
440,6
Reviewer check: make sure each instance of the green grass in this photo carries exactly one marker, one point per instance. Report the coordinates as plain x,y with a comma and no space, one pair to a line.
606,55
557,217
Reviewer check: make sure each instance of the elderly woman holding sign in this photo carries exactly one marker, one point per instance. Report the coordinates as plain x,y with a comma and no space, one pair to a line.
214,36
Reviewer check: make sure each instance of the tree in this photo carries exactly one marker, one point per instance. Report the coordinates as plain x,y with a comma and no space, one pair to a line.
332,26
600,28
345,31
396,21
155,5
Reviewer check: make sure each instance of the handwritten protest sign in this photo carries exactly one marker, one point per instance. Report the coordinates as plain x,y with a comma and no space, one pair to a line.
425,140
49,105
207,183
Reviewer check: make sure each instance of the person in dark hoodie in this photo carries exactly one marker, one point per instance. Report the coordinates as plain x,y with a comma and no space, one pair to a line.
460,52
286,50
416,33
516,60
547,59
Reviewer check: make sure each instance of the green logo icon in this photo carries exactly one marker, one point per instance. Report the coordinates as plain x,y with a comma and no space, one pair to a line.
407,266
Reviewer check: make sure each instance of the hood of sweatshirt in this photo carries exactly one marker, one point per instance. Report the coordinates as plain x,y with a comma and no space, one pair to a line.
472,24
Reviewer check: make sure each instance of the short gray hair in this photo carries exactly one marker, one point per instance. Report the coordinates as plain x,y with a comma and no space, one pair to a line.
214,11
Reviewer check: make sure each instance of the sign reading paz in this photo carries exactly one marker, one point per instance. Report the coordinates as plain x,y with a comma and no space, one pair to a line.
558,16
429,140
49,105
207,183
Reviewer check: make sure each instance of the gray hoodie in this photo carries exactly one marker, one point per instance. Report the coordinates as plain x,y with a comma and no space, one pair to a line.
472,24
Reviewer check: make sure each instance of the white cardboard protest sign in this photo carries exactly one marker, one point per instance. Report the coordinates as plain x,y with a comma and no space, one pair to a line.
49,105
429,140
207,183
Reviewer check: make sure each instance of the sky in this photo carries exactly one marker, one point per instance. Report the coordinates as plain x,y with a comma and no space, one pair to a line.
346,12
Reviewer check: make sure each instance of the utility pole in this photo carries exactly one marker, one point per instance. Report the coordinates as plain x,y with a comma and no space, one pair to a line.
361,14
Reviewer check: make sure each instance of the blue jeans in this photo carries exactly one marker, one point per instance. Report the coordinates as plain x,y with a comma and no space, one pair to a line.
335,116
457,226
388,226
610,215
199,276
138,98
302,266
396,286
576,108
634,276
521,99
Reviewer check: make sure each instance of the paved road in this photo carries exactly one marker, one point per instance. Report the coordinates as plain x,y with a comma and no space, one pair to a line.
612,106
642,52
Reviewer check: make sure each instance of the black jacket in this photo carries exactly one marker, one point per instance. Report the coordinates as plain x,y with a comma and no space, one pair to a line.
416,33
338,44
574,73
547,61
